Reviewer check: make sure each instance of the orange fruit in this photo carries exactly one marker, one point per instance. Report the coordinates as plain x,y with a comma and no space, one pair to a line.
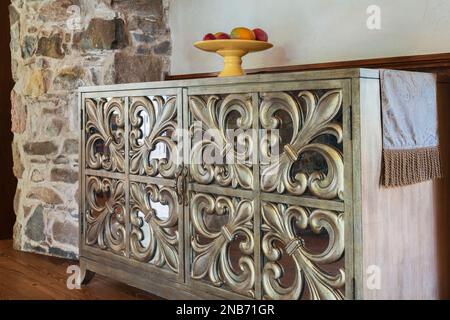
242,34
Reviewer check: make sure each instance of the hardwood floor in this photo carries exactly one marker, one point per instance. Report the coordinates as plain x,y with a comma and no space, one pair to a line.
26,276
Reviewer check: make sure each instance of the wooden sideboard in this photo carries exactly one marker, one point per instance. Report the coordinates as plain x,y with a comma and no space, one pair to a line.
311,223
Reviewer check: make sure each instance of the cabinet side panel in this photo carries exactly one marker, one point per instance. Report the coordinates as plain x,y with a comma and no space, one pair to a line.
443,188
400,225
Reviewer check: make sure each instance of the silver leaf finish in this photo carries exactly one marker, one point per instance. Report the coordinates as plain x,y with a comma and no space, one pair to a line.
280,223
105,215
212,248
315,120
161,113
100,131
216,114
163,233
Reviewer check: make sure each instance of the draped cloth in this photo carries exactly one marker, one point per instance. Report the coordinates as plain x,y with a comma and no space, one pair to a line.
410,128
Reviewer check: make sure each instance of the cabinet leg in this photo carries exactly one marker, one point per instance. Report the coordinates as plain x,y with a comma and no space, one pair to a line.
86,275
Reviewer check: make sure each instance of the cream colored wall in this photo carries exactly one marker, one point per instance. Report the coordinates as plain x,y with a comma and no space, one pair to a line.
310,31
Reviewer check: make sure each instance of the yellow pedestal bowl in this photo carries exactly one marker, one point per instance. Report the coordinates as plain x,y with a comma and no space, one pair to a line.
232,50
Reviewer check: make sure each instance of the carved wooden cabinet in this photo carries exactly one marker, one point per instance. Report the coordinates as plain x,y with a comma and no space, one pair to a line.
158,215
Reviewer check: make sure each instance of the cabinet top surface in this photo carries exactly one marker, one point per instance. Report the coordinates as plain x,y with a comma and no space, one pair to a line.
260,78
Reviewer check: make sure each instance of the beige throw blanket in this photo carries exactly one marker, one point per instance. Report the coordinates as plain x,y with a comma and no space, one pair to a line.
410,138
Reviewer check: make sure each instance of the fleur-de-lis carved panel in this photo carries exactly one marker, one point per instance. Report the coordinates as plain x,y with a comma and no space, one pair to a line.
106,214
217,155
223,242
153,141
105,134
313,240
154,220
312,124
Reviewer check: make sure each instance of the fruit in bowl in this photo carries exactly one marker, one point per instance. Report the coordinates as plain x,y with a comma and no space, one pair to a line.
260,35
232,47
222,35
209,36
239,33
242,33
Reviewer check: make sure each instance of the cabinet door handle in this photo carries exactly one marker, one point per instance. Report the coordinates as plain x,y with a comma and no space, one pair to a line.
180,181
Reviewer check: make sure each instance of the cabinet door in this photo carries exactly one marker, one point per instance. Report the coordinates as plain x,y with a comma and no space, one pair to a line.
305,190
133,207
103,175
269,192
222,244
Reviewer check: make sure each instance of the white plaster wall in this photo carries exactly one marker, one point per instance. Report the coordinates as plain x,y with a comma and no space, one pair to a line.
309,31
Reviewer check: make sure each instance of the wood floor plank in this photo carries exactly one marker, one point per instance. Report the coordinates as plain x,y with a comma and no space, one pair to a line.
35,277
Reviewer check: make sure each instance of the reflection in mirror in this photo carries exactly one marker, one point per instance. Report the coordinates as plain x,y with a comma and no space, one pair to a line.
101,199
113,122
161,210
144,128
145,242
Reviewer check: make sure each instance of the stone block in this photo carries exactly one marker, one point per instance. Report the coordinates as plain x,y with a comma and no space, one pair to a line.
70,147
102,34
18,167
50,47
18,114
65,232
35,226
66,175
40,148
46,195
138,68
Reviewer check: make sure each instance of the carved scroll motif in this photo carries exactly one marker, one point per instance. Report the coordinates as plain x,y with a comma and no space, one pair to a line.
212,248
105,131
161,115
280,225
215,115
311,118
105,214
163,237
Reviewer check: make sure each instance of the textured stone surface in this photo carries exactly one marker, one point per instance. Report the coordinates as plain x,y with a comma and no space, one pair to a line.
54,127
50,47
103,35
144,7
18,167
18,113
37,176
35,225
163,48
40,148
13,15
37,83
70,146
138,68
70,78
28,46
64,175
45,195
65,232
53,52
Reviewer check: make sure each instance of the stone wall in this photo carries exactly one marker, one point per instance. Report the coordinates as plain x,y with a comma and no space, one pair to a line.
57,46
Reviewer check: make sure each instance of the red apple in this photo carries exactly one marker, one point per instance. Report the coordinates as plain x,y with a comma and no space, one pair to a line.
209,36
222,35
261,35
